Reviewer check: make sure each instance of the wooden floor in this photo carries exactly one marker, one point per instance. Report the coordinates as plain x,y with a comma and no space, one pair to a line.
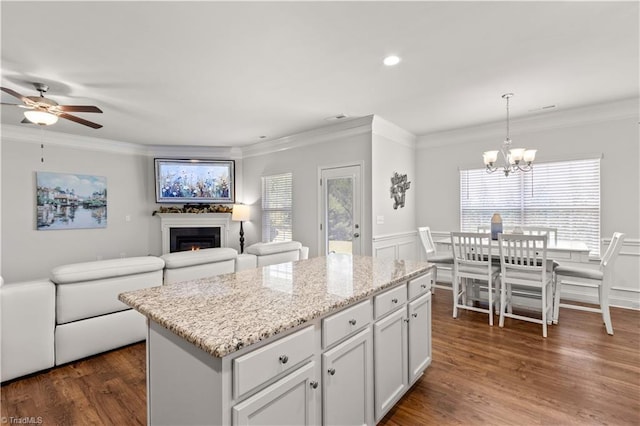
479,375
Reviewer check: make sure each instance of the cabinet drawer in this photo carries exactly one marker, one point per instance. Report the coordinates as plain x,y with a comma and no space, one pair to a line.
389,300
420,285
261,365
344,323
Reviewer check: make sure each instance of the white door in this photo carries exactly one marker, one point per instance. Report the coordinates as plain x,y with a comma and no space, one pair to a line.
390,361
419,336
340,214
348,382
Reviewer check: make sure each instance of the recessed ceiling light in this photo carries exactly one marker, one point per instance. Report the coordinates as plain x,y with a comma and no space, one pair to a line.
391,60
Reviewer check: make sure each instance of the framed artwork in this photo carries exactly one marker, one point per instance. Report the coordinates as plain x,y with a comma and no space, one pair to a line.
194,181
70,201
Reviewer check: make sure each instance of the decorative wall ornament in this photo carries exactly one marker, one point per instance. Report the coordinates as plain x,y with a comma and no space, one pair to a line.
399,186
70,201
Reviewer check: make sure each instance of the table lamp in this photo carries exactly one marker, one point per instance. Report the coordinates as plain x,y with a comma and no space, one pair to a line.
240,214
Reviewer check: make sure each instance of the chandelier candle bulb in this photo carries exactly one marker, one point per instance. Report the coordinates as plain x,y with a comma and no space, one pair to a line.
516,155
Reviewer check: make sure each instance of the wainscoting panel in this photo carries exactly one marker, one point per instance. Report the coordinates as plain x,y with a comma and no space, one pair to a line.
397,246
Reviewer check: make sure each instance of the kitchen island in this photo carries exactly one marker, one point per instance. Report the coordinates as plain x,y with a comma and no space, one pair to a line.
328,340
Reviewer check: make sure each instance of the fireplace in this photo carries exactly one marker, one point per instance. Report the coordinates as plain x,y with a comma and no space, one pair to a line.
196,238
214,225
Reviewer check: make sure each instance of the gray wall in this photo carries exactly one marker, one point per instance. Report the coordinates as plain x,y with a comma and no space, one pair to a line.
28,253
304,162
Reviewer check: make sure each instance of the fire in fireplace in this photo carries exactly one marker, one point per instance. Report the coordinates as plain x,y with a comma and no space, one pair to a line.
193,238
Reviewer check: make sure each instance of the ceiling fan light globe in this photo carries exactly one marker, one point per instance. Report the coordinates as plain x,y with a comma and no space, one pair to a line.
41,117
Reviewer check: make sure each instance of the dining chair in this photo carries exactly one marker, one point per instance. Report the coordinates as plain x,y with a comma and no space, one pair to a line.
524,268
472,263
443,262
601,278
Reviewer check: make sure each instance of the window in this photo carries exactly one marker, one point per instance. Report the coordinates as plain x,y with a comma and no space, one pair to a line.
276,207
563,195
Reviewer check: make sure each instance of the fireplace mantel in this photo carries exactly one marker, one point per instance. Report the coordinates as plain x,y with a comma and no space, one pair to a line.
189,220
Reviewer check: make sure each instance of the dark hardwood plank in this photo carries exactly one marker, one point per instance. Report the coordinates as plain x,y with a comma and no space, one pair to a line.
479,375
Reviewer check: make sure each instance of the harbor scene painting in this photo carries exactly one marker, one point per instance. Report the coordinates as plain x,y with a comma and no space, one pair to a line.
70,201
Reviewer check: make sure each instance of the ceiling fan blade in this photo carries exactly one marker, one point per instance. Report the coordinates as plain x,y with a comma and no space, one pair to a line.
79,108
25,121
15,94
17,105
80,120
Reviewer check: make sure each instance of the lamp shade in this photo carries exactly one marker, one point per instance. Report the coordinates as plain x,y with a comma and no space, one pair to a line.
240,213
40,117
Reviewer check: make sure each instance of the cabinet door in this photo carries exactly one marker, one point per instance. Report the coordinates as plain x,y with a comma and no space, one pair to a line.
348,382
390,360
419,336
292,400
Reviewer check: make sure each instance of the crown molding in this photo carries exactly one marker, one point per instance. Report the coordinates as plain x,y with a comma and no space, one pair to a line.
393,132
41,135
341,129
610,111
173,151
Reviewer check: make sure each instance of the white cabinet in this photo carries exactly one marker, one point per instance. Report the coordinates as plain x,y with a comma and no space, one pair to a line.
292,400
419,336
402,343
348,382
390,365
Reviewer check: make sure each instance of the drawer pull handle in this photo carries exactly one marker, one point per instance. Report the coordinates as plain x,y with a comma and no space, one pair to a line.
423,285
352,321
314,384
394,300
284,359
332,371
414,315
406,320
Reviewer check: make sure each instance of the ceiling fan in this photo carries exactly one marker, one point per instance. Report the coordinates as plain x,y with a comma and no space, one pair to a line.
45,111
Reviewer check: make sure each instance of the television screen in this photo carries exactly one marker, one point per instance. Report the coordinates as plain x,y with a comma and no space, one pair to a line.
194,181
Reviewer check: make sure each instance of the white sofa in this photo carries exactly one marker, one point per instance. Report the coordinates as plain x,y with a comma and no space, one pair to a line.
76,313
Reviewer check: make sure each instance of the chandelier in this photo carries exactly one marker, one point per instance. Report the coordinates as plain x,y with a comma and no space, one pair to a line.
514,158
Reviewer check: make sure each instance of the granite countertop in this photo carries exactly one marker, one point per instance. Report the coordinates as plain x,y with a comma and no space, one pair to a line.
225,313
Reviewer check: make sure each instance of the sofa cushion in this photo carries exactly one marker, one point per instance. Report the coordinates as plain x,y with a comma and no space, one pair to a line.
80,339
263,249
182,259
88,299
88,271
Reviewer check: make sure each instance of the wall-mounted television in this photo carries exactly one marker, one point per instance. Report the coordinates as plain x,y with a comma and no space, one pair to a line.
194,181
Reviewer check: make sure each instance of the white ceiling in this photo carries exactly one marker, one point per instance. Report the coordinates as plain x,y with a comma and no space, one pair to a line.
226,73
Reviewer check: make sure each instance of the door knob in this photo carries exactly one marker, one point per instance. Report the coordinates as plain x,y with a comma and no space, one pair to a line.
314,384
356,235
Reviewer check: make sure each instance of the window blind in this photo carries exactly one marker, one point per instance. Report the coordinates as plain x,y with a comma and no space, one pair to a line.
563,195
277,222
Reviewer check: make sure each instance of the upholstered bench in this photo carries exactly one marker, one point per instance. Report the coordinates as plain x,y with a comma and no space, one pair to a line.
89,317
191,265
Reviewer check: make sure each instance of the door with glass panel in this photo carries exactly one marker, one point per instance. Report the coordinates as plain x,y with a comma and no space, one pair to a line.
340,215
